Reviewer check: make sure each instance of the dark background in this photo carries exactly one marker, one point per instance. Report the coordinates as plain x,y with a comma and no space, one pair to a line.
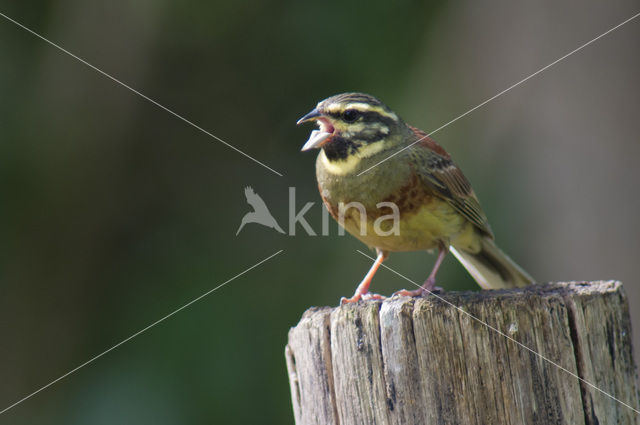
113,213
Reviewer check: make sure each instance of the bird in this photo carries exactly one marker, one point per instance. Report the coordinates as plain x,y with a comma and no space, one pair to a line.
260,213
368,157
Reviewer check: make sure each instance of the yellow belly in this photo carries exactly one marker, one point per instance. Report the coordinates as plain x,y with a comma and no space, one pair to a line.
432,224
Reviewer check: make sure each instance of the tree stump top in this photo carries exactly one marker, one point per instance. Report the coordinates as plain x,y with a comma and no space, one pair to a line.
521,356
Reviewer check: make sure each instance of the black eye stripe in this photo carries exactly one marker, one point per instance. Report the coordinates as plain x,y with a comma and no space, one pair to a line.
372,116
367,116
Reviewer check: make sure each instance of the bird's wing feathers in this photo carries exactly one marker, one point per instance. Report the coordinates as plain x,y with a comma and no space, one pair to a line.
436,169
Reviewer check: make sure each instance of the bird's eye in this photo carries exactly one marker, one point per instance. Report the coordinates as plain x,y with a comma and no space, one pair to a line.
350,115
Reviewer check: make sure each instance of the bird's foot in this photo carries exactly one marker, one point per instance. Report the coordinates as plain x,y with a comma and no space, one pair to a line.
406,293
420,292
371,296
429,287
364,297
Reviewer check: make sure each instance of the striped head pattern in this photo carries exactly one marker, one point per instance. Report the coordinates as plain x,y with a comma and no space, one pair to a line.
353,124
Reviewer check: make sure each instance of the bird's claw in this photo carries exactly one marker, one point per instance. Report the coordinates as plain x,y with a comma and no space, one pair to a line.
364,297
371,296
406,293
420,292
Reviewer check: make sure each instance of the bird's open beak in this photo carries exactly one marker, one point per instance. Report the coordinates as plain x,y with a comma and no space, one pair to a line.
317,137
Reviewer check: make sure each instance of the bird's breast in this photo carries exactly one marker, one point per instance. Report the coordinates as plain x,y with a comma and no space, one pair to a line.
424,219
366,187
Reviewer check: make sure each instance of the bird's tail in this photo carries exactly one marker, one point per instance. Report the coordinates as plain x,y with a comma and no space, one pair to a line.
492,268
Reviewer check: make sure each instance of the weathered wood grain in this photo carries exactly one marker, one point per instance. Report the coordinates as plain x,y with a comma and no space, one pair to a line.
489,357
310,370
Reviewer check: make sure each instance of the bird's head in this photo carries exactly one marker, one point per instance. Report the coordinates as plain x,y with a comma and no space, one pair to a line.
353,124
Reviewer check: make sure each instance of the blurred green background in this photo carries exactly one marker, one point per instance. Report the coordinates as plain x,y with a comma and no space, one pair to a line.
113,213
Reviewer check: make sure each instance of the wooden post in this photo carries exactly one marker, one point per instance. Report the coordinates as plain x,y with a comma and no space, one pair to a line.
424,361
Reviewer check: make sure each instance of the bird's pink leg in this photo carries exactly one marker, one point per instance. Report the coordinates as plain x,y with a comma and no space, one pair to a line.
362,291
429,284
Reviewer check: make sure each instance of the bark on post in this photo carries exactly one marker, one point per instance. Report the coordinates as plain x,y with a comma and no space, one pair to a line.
424,361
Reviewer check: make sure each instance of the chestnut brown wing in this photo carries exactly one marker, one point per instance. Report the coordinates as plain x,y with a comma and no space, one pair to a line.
436,169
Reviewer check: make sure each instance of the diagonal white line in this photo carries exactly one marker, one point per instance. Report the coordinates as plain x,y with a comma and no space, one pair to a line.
505,90
504,335
139,94
91,360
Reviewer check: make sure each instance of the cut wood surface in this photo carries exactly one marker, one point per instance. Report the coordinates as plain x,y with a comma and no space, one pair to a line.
487,357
